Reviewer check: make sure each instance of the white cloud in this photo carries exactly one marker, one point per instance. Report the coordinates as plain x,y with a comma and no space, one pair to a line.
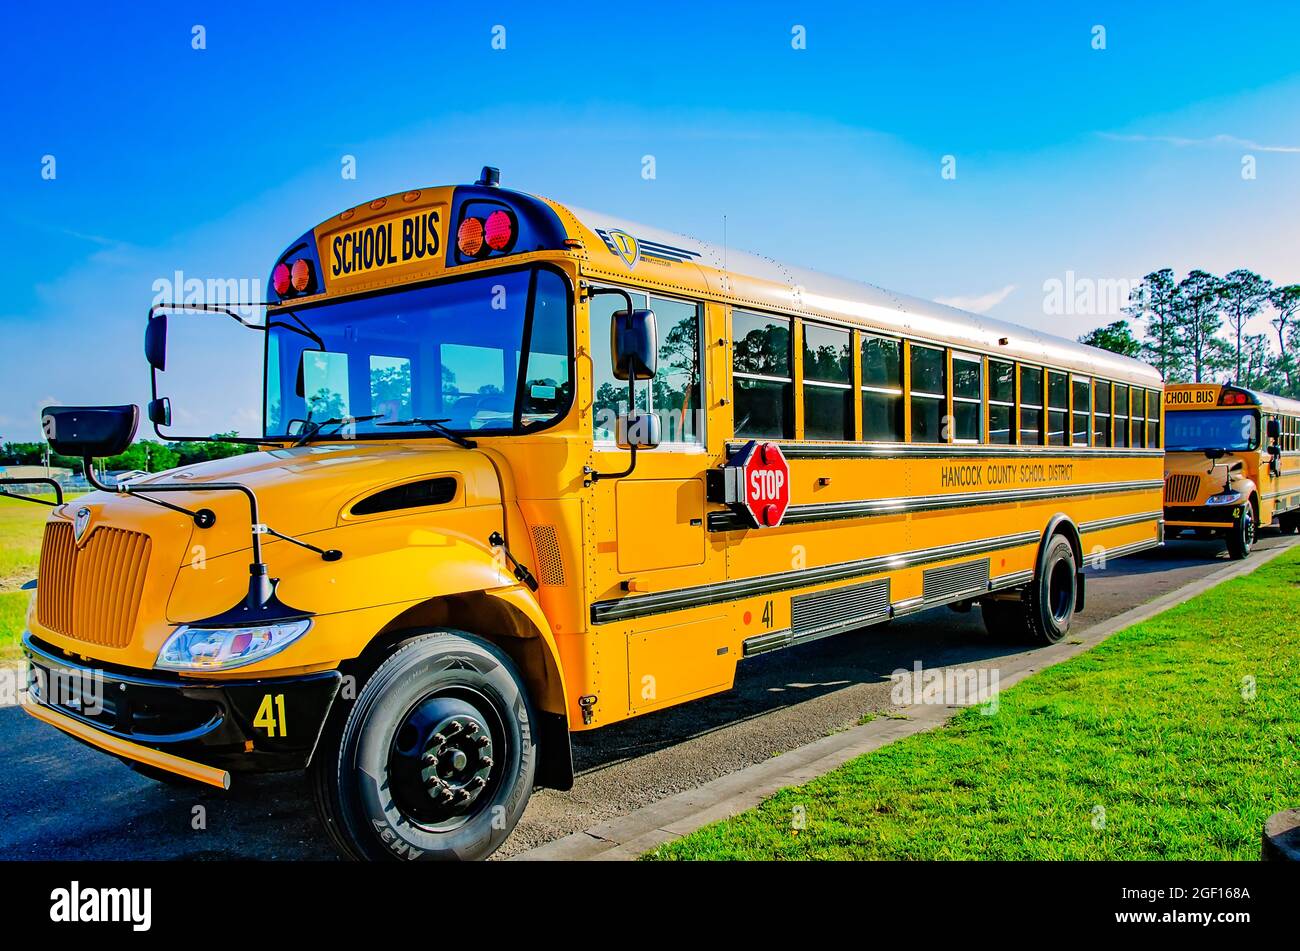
979,303
1185,142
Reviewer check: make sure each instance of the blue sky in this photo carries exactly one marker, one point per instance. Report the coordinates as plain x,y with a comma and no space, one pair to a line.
1106,163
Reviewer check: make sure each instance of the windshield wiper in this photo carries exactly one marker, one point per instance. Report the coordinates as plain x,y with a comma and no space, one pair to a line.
312,429
437,426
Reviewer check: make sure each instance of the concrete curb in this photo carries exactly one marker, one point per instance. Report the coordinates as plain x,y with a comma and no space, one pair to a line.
630,836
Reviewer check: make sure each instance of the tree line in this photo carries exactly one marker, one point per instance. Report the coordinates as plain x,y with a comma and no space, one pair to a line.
1197,329
145,455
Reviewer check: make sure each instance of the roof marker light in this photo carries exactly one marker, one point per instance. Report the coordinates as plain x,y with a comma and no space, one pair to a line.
500,230
280,279
300,275
469,237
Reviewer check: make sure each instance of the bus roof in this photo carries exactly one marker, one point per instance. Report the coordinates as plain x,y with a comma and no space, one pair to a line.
619,250
675,261
1265,401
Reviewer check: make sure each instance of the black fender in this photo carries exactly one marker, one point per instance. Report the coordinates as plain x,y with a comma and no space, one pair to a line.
1062,524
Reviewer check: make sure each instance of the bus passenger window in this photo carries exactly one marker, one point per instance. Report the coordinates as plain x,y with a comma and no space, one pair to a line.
967,397
1153,419
828,383
882,389
1081,434
1121,416
675,390
928,394
1058,404
1101,393
1031,406
1002,402
764,386
609,394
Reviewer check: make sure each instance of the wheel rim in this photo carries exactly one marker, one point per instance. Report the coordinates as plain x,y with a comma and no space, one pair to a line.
1060,591
1248,527
445,760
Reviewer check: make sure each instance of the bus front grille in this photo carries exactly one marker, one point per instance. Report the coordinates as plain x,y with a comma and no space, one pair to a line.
1180,489
91,593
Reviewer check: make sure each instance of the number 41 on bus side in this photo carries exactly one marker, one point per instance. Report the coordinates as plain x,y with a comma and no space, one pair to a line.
270,716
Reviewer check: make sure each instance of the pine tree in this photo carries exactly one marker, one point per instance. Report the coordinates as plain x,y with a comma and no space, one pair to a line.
1153,302
1197,318
1243,294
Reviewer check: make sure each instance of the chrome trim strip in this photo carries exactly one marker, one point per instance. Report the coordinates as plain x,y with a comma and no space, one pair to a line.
726,520
659,602
847,450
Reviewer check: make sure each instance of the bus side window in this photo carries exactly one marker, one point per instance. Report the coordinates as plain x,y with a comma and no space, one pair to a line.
882,389
1153,419
1031,406
967,397
827,382
1101,416
1002,402
1081,434
677,386
1121,416
928,393
609,395
762,374
1058,405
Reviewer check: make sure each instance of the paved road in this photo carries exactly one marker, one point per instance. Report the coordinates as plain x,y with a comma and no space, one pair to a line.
60,801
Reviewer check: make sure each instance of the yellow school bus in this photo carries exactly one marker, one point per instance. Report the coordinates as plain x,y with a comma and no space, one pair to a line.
529,470
1232,463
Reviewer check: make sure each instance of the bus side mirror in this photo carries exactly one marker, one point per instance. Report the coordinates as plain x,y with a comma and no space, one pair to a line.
155,342
160,411
1274,428
634,345
637,429
90,431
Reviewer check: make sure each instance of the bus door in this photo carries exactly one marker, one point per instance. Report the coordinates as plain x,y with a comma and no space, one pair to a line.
650,526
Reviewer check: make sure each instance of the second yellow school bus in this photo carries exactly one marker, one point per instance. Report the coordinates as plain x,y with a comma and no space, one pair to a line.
460,539
1232,462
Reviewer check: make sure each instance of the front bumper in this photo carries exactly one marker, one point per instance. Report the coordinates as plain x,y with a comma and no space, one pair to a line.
235,725
1202,516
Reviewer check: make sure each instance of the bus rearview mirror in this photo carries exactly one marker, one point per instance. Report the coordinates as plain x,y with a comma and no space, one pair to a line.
90,431
1274,429
160,411
155,342
634,344
637,429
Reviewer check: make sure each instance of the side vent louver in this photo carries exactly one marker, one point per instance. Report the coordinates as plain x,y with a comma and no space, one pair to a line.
550,564
953,581
412,495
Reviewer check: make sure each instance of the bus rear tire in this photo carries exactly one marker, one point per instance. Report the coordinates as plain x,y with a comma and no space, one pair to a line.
1241,537
436,759
1042,614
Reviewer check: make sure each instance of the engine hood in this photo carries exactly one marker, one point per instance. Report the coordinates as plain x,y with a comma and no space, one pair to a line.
299,490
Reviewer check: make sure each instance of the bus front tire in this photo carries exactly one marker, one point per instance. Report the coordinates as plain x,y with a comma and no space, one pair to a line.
436,759
1042,614
1241,537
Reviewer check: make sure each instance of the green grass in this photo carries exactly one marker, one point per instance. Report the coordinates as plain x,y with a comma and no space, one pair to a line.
1145,747
13,611
21,525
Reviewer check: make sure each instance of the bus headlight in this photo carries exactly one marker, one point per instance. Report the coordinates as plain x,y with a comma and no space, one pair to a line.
223,648
1224,498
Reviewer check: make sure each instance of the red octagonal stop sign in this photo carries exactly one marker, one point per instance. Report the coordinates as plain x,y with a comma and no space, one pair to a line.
766,483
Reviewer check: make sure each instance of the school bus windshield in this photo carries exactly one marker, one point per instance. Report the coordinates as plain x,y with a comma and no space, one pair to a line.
1198,430
488,354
